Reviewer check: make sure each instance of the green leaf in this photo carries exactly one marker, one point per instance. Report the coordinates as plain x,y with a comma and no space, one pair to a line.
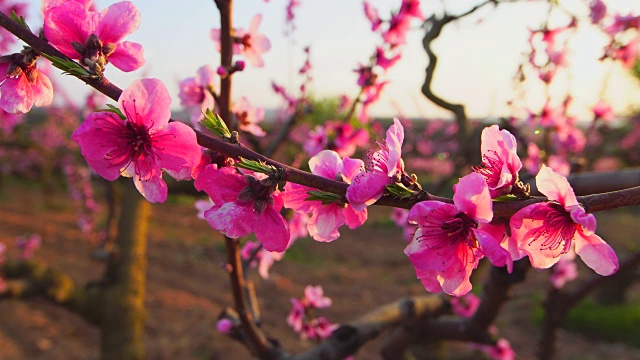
325,197
115,110
508,197
256,166
19,20
215,124
400,190
68,67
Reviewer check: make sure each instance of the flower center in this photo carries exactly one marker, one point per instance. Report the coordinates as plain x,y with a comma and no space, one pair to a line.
491,168
556,231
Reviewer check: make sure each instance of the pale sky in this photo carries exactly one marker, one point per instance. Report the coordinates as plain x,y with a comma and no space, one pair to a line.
477,59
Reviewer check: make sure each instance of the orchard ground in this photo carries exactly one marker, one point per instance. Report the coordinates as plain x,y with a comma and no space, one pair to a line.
187,287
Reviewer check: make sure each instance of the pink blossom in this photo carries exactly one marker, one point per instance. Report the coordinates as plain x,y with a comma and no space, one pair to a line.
448,244
251,44
598,11
202,206
564,270
28,245
545,231
622,23
141,145
412,8
627,54
465,306
401,218
290,14
195,92
372,15
603,111
384,62
296,315
383,168
48,4
22,85
248,117
317,140
318,329
500,161
244,204
95,37
326,219
399,26
501,351
314,296
224,326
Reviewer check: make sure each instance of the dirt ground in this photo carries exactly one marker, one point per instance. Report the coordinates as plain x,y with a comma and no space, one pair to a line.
187,288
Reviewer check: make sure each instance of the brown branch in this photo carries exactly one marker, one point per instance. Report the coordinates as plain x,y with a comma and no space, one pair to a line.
278,140
347,339
25,279
558,304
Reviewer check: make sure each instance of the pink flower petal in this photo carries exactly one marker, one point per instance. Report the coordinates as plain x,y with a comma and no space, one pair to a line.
491,248
596,253
354,218
16,95
351,168
146,102
323,225
128,56
294,198
42,91
67,23
222,185
226,218
425,257
555,187
180,152
255,23
429,280
527,233
117,21
154,189
367,187
98,135
580,217
326,163
455,280
395,137
472,197
272,231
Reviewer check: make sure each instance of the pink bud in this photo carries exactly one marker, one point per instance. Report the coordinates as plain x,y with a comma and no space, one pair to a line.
239,66
224,326
222,71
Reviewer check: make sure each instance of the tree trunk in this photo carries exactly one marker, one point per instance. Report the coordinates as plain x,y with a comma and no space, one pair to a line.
122,323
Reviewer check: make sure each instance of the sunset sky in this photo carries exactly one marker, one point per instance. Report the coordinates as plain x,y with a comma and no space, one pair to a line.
477,58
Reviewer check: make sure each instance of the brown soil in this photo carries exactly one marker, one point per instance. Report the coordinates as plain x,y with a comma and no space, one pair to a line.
187,288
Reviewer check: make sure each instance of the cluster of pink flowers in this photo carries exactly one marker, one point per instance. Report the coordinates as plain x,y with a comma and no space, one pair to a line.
302,319
342,138
327,218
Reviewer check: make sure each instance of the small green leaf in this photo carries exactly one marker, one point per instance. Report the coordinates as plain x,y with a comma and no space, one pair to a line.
215,124
325,197
400,190
256,166
19,20
68,67
115,110
508,197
